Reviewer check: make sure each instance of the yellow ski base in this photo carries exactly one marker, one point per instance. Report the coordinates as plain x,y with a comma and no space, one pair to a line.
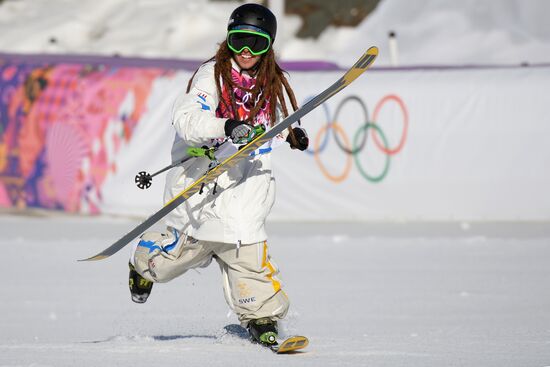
292,344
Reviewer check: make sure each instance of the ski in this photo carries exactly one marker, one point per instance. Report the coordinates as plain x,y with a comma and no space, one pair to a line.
290,345
353,73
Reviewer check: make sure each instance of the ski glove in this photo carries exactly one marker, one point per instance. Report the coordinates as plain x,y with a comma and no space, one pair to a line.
239,131
302,141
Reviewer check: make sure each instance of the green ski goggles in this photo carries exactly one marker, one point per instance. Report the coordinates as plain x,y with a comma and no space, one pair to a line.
257,43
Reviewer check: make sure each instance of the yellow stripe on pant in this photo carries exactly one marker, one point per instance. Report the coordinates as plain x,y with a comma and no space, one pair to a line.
272,270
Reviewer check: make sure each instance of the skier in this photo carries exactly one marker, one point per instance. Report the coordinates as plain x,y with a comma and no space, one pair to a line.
238,90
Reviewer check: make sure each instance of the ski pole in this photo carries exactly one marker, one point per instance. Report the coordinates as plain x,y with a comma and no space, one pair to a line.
144,180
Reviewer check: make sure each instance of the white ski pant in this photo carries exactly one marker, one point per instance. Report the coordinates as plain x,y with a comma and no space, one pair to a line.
251,286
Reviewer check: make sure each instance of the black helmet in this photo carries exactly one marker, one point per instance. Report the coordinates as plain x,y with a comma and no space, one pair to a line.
255,15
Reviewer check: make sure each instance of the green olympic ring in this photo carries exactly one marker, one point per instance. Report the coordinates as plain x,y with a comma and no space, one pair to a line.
381,176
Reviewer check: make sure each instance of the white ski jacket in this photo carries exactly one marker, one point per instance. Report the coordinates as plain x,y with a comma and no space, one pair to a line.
237,211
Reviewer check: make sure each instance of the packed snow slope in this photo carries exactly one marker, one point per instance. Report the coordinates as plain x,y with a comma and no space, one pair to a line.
366,295
428,31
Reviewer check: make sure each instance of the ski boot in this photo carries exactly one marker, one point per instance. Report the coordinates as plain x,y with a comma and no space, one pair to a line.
263,331
140,288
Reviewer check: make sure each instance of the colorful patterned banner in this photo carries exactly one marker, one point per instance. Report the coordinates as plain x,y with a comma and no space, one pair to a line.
61,126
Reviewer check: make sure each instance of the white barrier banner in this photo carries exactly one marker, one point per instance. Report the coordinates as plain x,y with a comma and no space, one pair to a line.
437,145
466,144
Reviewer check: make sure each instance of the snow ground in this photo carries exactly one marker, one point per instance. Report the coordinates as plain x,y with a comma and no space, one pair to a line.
365,294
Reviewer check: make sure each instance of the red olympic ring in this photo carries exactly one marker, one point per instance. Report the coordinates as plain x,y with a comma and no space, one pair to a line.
391,151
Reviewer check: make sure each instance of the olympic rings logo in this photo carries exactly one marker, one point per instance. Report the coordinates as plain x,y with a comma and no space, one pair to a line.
354,148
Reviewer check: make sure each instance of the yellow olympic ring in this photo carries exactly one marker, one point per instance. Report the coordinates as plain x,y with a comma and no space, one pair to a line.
349,160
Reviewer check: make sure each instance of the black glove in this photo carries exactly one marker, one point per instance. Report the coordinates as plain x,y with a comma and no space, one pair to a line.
302,141
240,132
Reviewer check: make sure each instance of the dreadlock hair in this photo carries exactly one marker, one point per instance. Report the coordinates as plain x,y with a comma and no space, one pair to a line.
271,84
